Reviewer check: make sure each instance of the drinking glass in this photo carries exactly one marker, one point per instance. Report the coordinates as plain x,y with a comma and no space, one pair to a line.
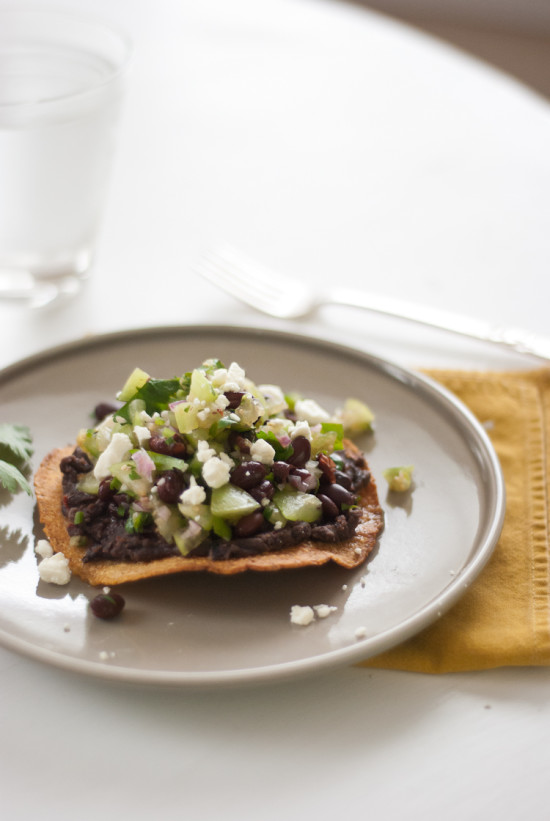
62,80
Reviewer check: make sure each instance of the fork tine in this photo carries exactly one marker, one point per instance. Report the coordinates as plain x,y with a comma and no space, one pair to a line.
240,277
247,280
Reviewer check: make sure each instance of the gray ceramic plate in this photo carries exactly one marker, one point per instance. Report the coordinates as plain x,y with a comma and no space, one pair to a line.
201,630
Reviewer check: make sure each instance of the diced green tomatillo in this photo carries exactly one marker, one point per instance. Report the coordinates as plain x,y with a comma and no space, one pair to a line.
135,381
201,514
164,462
399,478
337,429
88,484
130,479
232,503
135,409
122,427
169,524
356,416
274,516
200,387
188,539
88,441
323,442
297,506
221,528
186,416
249,411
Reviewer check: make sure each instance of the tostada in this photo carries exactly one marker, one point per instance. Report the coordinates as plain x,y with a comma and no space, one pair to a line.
210,471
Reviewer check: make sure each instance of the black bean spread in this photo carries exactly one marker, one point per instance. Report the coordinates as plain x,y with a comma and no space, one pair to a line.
103,524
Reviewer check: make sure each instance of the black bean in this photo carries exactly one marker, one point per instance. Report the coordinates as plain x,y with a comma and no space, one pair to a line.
104,409
249,525
236,441
105,491
302,479
343,479
121,499
235,398
264,490
107,605
301,451
340,495
175,446
170,486
330,508
248,474
281,471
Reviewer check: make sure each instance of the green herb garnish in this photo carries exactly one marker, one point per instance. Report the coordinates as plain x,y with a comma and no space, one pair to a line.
156,393
15,449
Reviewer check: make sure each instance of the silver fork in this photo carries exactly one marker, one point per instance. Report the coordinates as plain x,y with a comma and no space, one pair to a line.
280,296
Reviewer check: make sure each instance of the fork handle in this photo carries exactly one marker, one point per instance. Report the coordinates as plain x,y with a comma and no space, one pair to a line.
515,339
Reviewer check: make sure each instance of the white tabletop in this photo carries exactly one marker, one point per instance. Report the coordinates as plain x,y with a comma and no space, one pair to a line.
333,144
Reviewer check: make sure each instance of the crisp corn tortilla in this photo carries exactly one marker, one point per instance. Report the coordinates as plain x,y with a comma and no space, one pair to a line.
348,553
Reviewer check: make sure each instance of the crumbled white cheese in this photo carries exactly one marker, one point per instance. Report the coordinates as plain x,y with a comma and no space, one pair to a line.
204,451
301,428
221,402
43,549
215,472
227,459
143,435
219,377
262,451
55,569
310,411
361,632
274,397
302,615
324,610
279,426
236,374
117,450
194,495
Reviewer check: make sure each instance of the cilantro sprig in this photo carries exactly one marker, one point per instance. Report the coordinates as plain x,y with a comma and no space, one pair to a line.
15,449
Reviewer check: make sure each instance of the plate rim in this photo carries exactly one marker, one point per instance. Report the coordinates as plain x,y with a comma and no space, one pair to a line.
363,649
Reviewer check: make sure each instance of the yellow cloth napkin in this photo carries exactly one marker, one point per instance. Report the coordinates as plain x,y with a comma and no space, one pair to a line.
504,618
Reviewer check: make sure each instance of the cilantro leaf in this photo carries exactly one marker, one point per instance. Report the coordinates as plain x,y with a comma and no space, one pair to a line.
15,449
156,393
12,478
15,442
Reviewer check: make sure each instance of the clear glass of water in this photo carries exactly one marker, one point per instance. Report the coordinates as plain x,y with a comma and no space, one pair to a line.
62,79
